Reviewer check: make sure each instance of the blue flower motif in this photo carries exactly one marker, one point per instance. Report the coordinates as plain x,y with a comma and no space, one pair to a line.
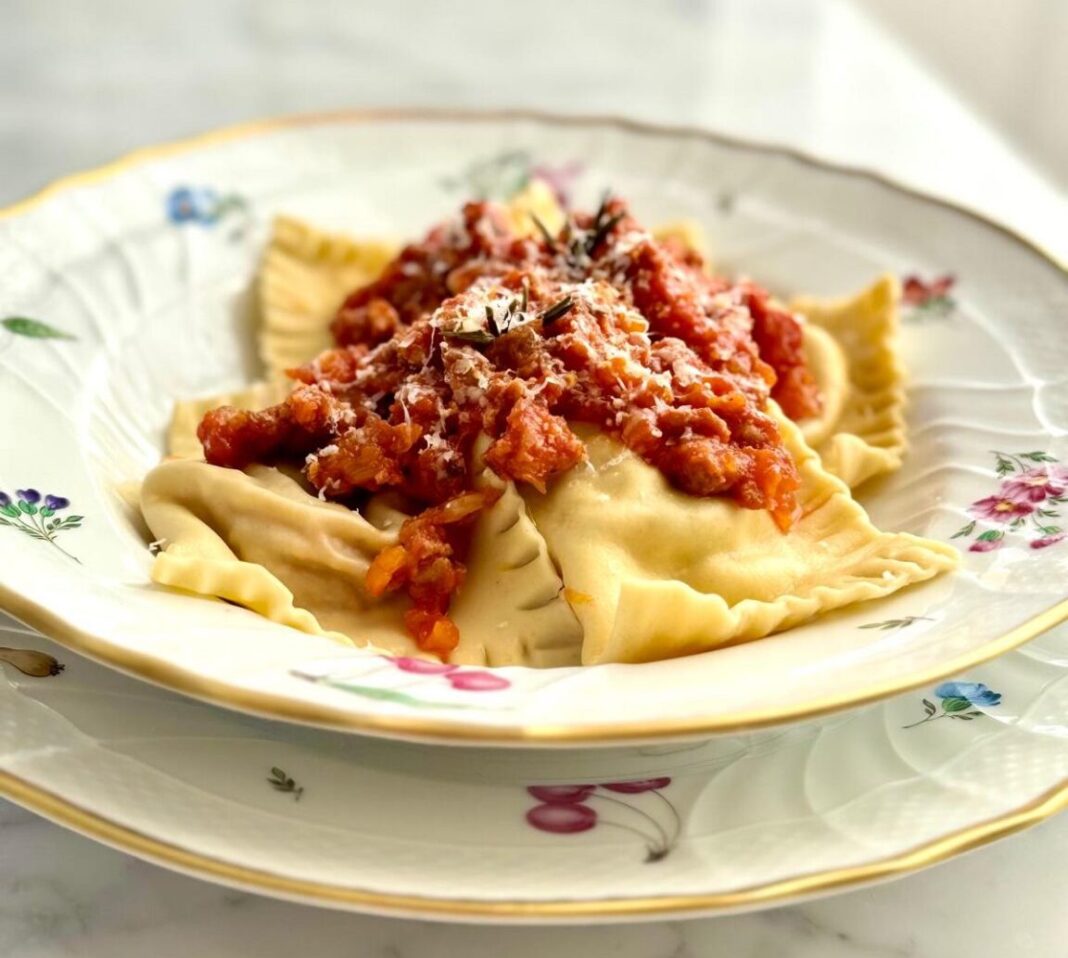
56,503
31,496
187,205
975,693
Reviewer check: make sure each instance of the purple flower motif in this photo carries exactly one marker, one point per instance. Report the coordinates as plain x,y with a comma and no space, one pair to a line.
1036,485
1046,541
27,514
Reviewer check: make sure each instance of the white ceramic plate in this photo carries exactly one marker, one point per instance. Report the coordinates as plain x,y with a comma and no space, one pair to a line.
739,822
128,288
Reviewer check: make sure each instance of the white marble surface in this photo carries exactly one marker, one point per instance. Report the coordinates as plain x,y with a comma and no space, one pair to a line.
84,82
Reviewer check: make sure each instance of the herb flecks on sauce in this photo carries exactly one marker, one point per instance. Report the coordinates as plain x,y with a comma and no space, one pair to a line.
475,330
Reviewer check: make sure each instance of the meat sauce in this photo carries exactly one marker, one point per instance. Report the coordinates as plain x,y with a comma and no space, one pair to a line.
476,331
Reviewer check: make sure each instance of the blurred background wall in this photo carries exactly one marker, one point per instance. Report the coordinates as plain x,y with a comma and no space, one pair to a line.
948,94
1008,59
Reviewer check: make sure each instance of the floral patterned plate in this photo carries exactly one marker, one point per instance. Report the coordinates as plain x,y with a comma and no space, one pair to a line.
130,287
740,821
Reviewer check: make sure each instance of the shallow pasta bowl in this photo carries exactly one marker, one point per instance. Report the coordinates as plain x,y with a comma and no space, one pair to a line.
129,288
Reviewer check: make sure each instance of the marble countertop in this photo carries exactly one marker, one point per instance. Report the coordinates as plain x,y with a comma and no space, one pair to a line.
86,82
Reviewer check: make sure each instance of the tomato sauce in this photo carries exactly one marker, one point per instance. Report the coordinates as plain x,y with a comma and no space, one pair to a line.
476,331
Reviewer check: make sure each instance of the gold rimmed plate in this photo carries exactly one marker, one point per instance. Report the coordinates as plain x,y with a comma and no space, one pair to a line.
130,288
739,822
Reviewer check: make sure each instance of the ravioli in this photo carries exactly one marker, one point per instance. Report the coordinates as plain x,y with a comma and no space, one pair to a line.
305,275
611,564
259,539
850,346
511,608
659,574
687,233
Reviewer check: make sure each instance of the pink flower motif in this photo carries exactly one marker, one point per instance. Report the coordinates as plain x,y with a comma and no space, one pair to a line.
559,178
1036,485
638,786
986,545
1048,541
915,292
421,666
478,681
1000,508
562,819
561,794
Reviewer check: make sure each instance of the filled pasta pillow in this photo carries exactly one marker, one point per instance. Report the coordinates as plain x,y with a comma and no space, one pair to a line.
654,573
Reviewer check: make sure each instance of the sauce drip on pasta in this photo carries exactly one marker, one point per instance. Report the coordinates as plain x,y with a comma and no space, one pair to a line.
475,331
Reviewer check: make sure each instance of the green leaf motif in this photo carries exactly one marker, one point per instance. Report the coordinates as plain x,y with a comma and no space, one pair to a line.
391,695
33,328
29,508
10,510
991,535
281,782
955,704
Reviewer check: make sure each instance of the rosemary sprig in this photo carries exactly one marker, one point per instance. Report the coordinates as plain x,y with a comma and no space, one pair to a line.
578,245
558,309
602,228
544,230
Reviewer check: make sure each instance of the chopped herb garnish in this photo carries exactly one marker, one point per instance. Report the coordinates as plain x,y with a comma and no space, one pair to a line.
481,336
544,230
560,308
576,244
602,227
602,207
